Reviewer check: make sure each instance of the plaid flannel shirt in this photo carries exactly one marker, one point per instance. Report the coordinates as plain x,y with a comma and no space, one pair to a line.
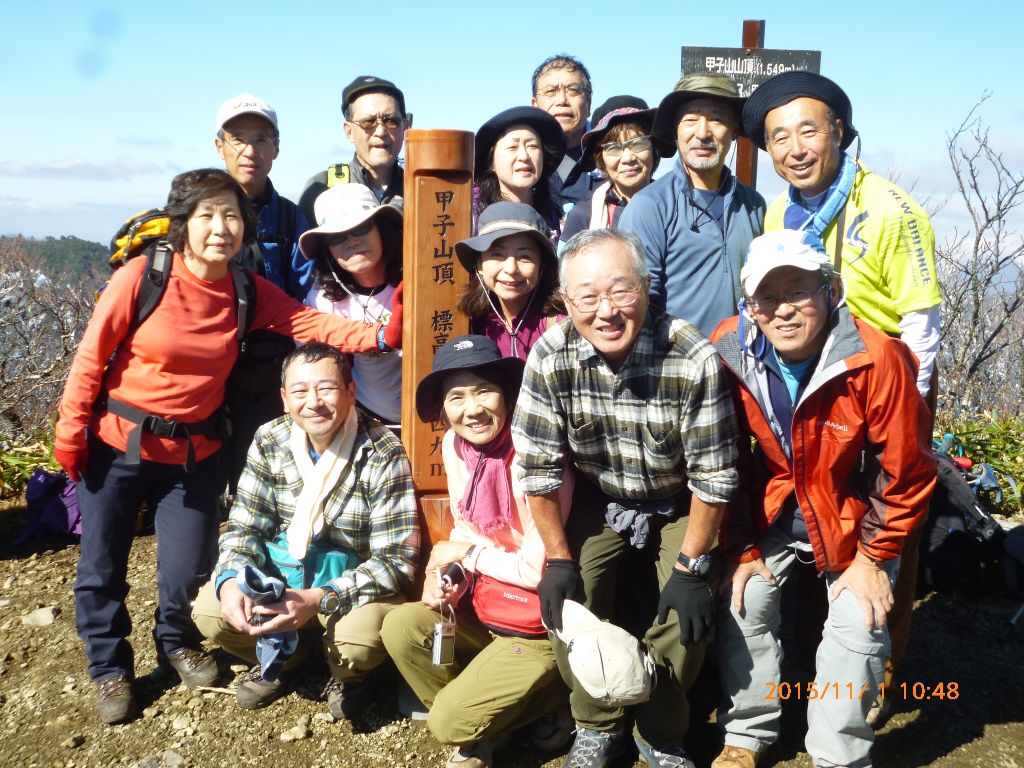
371,511
662,423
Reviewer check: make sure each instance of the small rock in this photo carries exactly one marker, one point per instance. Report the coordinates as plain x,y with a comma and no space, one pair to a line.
70,687
150,712
41,617
73,742
180,723
4,602
304,721
195,703
172,759
153,761
296,733
324,717
10,582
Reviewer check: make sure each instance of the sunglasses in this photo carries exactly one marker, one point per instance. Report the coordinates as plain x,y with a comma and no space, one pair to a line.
338,238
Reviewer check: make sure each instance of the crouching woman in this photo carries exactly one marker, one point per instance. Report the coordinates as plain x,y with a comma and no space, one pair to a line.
501,673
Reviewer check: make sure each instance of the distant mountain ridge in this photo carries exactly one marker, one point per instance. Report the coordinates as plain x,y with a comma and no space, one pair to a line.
66,256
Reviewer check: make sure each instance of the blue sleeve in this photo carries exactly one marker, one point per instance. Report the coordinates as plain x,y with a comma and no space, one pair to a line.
300,276
577,220
643,218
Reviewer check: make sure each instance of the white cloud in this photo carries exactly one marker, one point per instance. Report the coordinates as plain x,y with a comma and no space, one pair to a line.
118,169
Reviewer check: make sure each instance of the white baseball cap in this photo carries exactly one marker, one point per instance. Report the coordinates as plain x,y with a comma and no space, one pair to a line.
611,664
781,248
245,104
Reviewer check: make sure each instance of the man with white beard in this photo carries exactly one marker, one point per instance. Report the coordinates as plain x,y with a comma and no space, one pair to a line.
697,221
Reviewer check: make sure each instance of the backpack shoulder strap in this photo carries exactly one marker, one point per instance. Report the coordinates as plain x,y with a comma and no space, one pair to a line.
154,281
245,299
287,215
339,173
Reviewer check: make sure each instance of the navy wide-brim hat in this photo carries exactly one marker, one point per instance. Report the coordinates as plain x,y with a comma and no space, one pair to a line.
547,128
782,89
464,353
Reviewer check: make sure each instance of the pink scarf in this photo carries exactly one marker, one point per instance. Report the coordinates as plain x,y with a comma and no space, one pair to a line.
486,503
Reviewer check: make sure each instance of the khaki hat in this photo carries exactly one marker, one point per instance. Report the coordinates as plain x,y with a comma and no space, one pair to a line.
610,664
703,86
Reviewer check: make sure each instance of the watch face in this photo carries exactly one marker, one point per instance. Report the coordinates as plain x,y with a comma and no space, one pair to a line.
329,603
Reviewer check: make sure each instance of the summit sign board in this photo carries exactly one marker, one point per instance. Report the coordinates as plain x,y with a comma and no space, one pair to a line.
749,67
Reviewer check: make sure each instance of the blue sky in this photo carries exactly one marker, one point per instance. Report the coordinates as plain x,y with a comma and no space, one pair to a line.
105,102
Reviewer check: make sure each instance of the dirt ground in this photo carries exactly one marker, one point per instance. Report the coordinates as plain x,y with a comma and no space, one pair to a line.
46,715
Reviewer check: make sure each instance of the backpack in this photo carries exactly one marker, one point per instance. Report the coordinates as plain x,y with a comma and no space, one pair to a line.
284,240
51,506
962,543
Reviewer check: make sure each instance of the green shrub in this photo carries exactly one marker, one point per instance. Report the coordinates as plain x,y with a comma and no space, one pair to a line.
18,463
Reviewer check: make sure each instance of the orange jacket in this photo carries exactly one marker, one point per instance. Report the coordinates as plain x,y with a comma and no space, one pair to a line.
860,464
177,362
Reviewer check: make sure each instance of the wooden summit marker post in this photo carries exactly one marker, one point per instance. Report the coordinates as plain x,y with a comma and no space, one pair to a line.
438,213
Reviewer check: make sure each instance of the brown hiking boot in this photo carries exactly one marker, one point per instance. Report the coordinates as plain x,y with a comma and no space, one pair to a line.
735,757
345,698
115,700
194,666
253,692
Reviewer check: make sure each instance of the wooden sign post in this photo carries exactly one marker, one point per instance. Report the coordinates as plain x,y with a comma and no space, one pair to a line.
438,213
749,66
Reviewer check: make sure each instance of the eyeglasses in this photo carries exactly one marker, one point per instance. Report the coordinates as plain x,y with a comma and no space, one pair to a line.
369,124
637,145
572,91
768,304
620,297
338,238
261,141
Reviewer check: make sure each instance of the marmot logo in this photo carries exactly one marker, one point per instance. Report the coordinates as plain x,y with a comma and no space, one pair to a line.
509,596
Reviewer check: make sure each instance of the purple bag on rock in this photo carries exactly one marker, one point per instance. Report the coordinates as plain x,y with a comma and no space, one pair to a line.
52,505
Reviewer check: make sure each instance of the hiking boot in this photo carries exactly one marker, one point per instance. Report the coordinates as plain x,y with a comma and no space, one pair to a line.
115,701
194,666
477,755
346,697
593,749
551,732
735,757
670,757
253,692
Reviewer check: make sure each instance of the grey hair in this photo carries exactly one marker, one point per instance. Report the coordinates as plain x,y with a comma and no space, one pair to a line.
594,238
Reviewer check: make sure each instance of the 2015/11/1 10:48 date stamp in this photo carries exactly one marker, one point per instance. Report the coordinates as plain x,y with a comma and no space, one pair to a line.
813,690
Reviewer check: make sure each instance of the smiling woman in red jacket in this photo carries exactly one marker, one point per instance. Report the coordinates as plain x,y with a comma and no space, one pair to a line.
141,422
841,472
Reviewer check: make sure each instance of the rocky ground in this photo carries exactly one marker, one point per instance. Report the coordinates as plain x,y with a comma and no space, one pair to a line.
46,716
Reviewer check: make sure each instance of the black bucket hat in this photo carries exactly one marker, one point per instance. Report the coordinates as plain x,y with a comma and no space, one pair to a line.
499,220
550,132
702,86
644,117
464,353
783,88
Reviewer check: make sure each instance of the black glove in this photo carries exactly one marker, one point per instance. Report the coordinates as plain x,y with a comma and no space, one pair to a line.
691,598
560,581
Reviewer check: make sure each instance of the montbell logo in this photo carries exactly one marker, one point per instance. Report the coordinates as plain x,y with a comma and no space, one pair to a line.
833,425
509,596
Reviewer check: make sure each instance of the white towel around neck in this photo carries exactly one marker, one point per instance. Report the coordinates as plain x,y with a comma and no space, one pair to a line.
318,480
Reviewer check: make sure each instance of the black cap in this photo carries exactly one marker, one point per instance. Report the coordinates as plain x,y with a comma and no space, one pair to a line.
464,353
783,88
550,132
371,84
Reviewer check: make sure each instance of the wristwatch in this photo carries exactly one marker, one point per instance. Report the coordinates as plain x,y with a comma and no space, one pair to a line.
699,566
330,603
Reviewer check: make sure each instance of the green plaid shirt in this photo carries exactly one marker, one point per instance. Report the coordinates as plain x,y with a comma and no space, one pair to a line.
663,423
371,511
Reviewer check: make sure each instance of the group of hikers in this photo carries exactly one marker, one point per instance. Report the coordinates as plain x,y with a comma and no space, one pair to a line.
669,390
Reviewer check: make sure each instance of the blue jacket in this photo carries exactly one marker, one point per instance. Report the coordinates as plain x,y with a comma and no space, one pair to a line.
290,272
695,275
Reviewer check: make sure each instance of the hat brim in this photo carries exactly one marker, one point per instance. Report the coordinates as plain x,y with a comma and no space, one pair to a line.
429,396
469,250
546,127
664,129
787,86
592,139
756,276
310,241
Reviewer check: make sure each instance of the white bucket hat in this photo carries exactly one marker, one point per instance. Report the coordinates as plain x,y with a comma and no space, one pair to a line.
781,248
341,208
611,664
